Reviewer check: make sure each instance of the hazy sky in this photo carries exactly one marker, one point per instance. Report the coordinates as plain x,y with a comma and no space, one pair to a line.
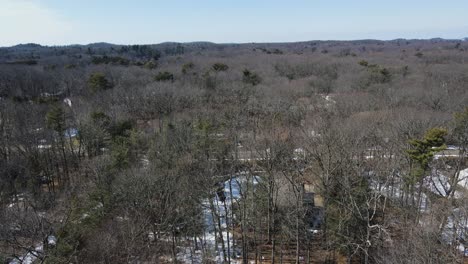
59,22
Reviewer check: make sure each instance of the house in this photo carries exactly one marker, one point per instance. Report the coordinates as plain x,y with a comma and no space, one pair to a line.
311,192
449,152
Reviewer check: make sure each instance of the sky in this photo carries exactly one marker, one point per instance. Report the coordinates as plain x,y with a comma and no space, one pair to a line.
64,22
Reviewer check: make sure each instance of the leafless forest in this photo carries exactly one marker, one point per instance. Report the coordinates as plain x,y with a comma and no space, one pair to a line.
309,152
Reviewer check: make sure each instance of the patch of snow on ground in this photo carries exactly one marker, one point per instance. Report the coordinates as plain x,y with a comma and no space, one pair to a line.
211,241
29,257
463,178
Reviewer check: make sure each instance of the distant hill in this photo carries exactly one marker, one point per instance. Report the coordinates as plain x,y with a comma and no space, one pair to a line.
140,54
212,44
101,45
27,45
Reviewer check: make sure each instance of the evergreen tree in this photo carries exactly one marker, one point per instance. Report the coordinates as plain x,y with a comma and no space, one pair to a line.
98,82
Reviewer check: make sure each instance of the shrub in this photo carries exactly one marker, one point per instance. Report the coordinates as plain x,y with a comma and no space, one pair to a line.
220,67
164,77
419,54
251,77
364,63
187,67
150,65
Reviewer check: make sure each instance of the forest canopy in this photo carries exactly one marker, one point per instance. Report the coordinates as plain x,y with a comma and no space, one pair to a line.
307,152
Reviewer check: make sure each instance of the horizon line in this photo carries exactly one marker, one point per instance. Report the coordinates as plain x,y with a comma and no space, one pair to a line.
235,43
